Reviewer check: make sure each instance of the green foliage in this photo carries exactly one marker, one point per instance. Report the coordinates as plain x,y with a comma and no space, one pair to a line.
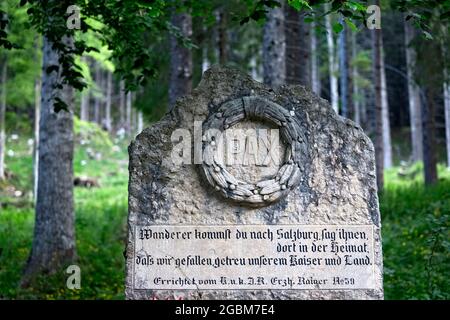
100,228
423,12
24,62
415,230
91,133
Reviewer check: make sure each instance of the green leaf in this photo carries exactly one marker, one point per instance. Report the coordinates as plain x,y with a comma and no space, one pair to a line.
299,4
355,6
351,25
337,27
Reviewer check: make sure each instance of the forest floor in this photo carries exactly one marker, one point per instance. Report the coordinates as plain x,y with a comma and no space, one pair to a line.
415,224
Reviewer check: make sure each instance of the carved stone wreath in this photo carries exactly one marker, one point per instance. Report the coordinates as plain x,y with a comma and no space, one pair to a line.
265,191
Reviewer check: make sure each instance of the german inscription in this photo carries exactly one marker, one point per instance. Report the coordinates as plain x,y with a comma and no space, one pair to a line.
254,257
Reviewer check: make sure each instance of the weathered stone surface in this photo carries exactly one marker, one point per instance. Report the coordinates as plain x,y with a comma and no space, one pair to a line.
337,183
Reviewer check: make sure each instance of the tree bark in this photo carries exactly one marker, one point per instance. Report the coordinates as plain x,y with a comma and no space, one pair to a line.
415,113
298,44
387,146
108,101
128,116
332,64
343,70
133,119
274,46
447,117
315,72
2,117
84,108
3,79
180,60
350,67
429,138
446,90
37,116
305,47
140,122
54,232
98,97
223,37
355,76
379,152
293,50
122,110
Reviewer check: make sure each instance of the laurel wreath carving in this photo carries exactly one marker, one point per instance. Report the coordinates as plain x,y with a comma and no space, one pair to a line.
266,191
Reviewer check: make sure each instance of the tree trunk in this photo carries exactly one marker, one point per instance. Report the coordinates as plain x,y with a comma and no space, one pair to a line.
133,119
223,37
315,72
350,80
293,50
355,76
378,112
122,110
98,96
429,138
446,90
140,122
305,46
108,101
332,65
298,46
387,146
128,119
447,117
37,116
54,232
84,108
343,70
2,117
274,46
415,113
180,60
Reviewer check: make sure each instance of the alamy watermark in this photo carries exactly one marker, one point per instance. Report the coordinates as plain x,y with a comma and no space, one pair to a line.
374,20
74,280
74,20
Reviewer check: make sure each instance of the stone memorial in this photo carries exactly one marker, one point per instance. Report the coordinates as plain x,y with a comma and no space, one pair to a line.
244,191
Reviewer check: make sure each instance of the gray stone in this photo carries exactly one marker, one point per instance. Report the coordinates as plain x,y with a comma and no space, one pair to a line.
335,181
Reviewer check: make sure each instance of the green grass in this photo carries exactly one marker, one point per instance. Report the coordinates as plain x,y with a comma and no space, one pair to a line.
100,223
415,227
416,238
